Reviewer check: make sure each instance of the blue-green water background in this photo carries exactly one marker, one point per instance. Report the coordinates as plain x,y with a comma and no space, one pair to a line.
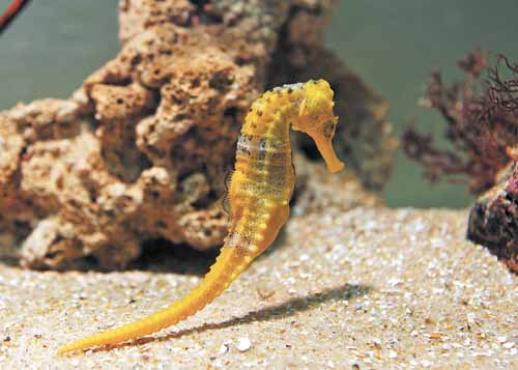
392,44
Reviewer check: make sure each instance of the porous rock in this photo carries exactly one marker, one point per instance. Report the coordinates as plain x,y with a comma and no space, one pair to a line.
140,151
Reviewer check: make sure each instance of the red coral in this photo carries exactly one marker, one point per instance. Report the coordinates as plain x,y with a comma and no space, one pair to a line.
482,123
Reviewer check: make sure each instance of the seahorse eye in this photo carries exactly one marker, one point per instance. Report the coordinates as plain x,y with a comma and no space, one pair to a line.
328,129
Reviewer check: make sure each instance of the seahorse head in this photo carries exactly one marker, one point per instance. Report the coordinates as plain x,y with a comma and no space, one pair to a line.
317,119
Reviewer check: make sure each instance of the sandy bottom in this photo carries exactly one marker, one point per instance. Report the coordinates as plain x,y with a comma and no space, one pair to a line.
369,288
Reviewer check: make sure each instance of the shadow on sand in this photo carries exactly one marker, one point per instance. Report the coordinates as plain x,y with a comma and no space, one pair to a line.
341,293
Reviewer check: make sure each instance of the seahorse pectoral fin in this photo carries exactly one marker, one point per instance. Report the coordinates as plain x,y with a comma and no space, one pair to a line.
325,147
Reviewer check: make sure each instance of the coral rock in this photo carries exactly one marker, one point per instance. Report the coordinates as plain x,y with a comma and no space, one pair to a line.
493,218
140,151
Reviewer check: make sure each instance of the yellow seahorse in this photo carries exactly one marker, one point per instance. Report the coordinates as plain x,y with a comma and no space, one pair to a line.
260,189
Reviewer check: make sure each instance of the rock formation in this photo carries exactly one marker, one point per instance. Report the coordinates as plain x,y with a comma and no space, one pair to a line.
141,149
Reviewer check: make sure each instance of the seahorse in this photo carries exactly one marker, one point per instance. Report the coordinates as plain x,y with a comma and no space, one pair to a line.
259,193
